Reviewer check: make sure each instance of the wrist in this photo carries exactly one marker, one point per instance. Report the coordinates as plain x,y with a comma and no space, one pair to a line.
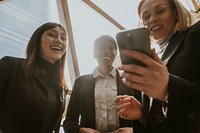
81,130
165,95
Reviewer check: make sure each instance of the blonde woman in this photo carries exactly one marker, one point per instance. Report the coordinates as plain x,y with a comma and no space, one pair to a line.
170,82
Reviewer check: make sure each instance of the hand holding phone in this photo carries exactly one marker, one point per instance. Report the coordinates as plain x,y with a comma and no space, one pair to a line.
135,39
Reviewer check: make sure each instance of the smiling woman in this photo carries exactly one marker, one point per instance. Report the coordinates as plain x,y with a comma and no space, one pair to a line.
170,81
35,86
53,44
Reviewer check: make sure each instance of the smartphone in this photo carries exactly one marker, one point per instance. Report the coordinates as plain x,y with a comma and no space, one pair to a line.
135,39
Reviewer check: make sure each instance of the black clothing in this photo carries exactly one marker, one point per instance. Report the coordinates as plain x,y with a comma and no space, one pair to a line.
182,58
29,105
82,103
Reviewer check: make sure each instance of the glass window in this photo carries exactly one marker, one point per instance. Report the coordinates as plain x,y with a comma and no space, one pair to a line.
19,19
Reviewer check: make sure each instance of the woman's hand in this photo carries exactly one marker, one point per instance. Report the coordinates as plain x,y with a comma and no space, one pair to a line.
152,79
88,130
128,107
124,130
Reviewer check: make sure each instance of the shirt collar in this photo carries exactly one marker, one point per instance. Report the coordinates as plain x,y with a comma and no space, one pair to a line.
96,73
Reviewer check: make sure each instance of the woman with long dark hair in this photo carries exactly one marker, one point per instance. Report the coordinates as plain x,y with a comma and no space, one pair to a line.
33,90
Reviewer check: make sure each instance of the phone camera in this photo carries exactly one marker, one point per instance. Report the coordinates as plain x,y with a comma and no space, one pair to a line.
129,38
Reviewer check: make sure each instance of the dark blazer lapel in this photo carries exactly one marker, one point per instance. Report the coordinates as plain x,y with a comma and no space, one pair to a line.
120,85
89,86
122,89
173,45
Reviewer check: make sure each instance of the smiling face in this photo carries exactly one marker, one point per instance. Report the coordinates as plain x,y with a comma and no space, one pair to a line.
159,18
53,44
105,52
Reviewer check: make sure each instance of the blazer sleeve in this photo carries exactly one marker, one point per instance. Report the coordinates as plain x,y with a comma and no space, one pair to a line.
184,101
71,122
6,65
184,83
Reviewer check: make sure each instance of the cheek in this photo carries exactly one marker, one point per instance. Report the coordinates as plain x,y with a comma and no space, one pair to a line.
65,46
115,53
43,43
43,52
171,25
170,20
64,49
43,48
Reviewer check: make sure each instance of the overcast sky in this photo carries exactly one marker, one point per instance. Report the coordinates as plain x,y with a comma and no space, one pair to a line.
88,25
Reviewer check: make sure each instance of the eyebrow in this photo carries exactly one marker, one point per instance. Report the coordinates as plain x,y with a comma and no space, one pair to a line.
155,8
63,32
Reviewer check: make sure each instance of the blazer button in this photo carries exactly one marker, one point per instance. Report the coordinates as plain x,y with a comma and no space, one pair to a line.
191,115
159,117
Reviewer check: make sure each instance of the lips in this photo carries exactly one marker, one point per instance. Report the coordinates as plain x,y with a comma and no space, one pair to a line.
57,48
107,55
156,28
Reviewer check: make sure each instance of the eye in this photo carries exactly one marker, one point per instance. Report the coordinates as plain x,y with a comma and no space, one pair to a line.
63,38
160,11
111,48
51,34
145,17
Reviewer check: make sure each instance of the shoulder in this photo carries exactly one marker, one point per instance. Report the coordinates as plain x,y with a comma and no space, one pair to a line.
86,76
190,35
195,28
8,60
8,65
83,81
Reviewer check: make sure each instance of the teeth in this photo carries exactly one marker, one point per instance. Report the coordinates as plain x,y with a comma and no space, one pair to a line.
156,27
56,48
107,56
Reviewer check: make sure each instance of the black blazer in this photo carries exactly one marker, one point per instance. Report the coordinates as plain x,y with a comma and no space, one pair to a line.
182,58
29,105
82,103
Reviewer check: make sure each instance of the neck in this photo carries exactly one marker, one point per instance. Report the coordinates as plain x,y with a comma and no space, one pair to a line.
160,42
104,70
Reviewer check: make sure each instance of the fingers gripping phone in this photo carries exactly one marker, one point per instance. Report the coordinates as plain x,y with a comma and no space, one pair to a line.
135,39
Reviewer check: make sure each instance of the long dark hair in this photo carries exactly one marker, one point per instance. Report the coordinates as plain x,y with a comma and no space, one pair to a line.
31,65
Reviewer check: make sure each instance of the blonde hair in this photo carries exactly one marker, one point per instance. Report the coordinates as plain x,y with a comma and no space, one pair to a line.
184,16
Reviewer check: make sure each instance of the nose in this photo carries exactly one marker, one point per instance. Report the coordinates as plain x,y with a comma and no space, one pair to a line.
153,18
59,40
106,50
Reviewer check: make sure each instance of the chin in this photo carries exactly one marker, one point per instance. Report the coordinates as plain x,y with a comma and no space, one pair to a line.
158,39
55,59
